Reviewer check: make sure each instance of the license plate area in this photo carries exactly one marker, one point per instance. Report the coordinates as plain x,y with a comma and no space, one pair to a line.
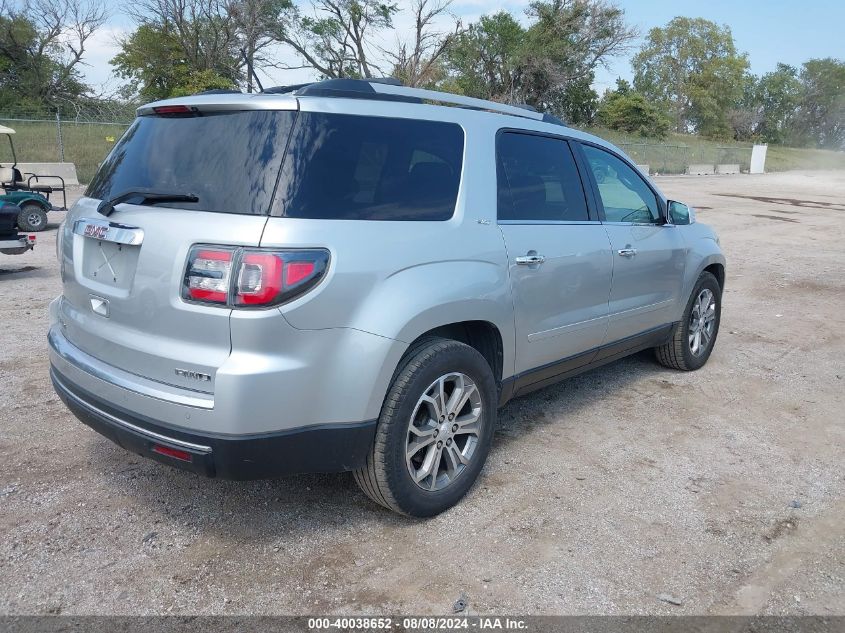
109,251
109,263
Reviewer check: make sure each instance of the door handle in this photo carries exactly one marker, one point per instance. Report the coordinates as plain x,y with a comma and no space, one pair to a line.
627,252
529,260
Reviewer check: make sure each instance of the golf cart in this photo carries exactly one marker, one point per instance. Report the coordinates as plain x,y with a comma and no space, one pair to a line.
30,192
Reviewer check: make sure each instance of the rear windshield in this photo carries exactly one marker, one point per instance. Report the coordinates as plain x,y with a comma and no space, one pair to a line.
371,168
229,160
336,167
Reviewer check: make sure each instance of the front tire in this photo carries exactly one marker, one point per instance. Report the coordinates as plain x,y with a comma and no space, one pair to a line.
694,337
32,218
434,431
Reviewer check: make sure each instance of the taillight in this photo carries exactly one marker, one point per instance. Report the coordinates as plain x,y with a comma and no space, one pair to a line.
209,275
261,277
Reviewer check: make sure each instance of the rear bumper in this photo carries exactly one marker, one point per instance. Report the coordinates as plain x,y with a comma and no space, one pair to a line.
324,448
17,245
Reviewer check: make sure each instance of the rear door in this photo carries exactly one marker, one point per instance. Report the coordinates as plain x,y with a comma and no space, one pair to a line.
558,256
123,274
648,255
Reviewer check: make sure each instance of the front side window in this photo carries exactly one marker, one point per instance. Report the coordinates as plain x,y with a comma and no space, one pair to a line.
624,194
538,180
346,167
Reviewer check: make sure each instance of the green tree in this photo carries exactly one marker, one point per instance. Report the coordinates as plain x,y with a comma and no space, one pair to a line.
485,60
779,95
628,110
257,24
692,67
549,64
820,119
154,60
42,46
334,36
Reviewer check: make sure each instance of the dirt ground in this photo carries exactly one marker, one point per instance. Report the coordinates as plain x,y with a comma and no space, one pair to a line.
722,489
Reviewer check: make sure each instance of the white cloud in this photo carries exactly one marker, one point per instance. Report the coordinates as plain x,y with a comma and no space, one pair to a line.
102,46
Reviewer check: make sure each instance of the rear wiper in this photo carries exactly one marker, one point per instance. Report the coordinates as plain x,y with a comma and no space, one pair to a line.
106,207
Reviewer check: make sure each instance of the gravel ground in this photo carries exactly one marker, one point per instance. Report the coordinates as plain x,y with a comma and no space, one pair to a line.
617,492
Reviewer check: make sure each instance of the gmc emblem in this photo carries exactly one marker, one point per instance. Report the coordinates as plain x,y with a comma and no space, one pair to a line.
96,231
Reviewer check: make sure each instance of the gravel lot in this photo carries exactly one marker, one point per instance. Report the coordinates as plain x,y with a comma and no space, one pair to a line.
723,489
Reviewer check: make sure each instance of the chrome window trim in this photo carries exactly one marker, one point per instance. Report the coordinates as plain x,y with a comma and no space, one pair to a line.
635,223
547,222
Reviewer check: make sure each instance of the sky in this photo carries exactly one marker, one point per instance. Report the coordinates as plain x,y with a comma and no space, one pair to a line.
789,31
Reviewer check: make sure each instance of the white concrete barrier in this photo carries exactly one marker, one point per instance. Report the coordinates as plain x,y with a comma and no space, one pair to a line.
65,170
646,169
727,169
758,159
701,170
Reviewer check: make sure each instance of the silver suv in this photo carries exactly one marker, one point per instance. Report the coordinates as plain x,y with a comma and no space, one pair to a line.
354,276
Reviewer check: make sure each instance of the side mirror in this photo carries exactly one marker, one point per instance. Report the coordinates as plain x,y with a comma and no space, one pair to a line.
680,214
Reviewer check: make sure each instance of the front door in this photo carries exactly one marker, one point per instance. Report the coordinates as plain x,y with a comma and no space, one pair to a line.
558,256
648,254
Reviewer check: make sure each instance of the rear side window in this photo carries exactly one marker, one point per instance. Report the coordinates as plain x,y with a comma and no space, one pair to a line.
538,180
229,160
345,167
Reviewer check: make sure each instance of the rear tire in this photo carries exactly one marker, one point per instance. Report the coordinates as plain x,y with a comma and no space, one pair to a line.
694,337
442,401
32,218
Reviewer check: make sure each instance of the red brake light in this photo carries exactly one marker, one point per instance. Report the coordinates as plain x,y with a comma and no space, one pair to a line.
297,271
260,279
172,110
175,453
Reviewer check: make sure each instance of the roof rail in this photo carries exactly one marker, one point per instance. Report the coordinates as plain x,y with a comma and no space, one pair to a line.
453,99
357,89
219,91
391,89
280,90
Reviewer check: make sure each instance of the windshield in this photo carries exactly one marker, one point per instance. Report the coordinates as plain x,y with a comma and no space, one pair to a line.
228,160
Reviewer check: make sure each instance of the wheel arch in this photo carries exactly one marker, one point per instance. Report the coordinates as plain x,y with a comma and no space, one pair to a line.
705,256
41,202
483,336
716,269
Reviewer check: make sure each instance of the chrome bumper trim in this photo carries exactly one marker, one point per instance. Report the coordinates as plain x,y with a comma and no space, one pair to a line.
123,423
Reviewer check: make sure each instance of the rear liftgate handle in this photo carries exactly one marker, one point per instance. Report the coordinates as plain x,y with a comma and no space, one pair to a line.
531,259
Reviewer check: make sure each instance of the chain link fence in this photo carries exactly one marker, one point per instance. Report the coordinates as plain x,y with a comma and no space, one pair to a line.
665,158
77,133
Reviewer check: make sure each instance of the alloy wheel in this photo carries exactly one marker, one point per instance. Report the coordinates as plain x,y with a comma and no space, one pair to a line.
702,322
443,431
